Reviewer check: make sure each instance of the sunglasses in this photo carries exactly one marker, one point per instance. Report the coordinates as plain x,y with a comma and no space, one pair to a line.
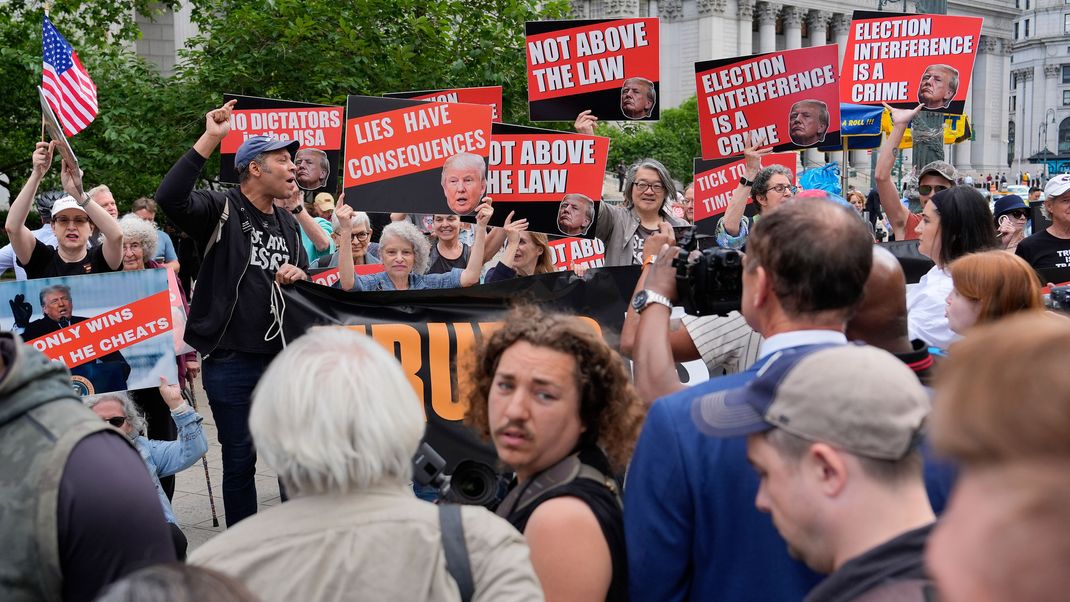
1018,213
927,189
117,421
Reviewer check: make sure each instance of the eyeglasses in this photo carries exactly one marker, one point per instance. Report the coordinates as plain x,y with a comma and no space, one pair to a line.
655,187
1018,213
927,190
782,188
117,421
361,235
65,221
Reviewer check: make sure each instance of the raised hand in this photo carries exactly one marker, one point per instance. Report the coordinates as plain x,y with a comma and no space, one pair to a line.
217,121
344,214
585,123
171,394
753,159
654,242
484,212
514,228
903,116
42,157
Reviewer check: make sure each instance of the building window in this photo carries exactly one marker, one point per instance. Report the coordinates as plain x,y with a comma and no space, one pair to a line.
1066,23
1025,31
1014,103
1015,31
1064,136
1010,143
1066,97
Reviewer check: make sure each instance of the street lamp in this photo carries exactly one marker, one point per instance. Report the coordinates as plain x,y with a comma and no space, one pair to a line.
1042,134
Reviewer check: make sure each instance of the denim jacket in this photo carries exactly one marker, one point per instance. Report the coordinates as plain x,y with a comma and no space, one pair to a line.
165,458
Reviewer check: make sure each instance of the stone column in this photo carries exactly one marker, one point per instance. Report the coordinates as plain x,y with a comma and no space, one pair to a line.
841,27
987,46
818,24
711,23
1022,79
745,10
579,9
1052,101
767,14
670,10
793,18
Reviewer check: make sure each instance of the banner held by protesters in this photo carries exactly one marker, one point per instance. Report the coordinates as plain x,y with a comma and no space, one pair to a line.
571,252
415,156
552,179
714,182
787,100
113,330
317,127
903,60
608,66
482,95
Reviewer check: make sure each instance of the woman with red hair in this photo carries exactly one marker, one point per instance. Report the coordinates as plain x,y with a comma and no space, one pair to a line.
989,286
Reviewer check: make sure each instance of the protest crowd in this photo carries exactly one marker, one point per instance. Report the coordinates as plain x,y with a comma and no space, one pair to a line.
874,420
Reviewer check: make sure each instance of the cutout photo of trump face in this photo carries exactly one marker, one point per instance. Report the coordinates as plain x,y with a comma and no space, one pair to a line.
939,84
637,98
807,122
313,168
575,214
464,182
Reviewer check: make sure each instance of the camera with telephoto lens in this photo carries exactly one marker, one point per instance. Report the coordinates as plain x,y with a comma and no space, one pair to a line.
1059,299
471,483
710,281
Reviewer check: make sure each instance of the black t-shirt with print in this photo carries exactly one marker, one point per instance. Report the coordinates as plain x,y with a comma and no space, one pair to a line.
253,318
437,264
638,240
1049,255
45,262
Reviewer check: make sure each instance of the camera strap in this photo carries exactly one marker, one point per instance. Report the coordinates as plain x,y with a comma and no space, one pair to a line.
453,544
558,475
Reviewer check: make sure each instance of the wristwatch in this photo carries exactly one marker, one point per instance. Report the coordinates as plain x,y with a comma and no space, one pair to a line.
298,209
743,181
645,297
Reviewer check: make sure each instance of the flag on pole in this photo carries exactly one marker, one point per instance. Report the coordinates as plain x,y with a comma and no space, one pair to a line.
68,89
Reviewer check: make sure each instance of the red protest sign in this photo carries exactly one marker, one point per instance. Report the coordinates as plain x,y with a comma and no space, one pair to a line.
482,95
401,155
787,100
534,173
317,127
108,332
716,180
570,252
608,66
329,276
904,60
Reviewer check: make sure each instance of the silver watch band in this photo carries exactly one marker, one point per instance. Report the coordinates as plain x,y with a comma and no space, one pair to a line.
652,297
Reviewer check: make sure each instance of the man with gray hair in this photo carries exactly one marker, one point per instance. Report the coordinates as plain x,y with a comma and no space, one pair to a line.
464,182
838,464
938,86
637,98
575,214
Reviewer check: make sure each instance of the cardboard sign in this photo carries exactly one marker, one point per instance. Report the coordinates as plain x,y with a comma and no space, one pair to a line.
608,66
572,251
317,127
553,179
714,182
483,95
415,156
787,100
113,330
904,60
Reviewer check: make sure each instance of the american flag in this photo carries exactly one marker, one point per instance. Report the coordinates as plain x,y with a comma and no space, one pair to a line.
67,86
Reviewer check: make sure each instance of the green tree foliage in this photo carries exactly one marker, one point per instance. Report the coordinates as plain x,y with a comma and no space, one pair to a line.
673,140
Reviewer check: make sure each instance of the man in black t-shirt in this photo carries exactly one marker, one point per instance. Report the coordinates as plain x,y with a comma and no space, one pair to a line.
247,245
71,224
1048,251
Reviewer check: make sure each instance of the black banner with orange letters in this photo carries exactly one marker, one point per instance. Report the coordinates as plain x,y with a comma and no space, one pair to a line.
434,333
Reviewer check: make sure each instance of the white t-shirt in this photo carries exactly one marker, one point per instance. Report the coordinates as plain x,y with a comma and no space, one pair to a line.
927,309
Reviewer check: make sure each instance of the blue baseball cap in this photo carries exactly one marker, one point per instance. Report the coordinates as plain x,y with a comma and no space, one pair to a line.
861,399
262,144
1009,203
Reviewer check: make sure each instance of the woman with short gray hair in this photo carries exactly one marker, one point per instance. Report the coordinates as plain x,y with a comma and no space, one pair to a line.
338,420
360,242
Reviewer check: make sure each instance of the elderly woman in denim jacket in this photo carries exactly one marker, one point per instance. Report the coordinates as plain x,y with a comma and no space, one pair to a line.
163,458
